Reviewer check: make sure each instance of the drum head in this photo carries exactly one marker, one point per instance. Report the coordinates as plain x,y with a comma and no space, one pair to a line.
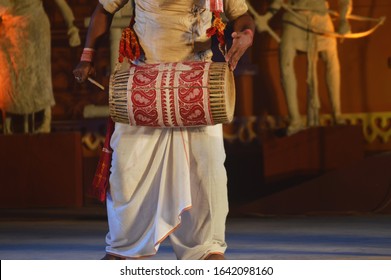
230,94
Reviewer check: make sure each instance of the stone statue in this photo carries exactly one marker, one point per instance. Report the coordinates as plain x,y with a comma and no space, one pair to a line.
305,24
25,73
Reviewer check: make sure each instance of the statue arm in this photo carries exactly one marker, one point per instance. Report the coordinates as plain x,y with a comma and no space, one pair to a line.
73,31
345,9
275,6
262,21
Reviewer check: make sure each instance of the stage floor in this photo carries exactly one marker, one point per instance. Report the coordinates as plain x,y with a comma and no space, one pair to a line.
59,236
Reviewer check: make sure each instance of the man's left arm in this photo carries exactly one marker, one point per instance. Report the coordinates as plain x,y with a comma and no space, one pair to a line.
242,39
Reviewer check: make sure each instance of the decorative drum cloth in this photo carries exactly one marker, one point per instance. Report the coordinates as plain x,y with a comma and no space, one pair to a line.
173,94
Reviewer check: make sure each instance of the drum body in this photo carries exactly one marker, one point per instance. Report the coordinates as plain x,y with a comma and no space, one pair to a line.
173,94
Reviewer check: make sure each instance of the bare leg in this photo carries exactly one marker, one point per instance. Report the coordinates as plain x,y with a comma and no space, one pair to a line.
46,123
6,124
313,103
33,122
330,57
287,56
25,123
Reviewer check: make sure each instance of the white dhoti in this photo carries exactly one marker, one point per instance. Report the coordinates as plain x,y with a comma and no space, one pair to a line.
150,197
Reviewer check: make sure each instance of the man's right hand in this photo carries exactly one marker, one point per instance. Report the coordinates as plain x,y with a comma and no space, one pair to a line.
83,70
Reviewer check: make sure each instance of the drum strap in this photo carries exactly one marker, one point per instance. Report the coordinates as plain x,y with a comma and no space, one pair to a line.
218,26
214,5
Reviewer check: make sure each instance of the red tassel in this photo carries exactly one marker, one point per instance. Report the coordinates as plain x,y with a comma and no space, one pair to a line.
217,28
100,183
129,45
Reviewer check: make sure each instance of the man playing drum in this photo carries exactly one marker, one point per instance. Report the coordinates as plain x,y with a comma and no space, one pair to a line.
168,181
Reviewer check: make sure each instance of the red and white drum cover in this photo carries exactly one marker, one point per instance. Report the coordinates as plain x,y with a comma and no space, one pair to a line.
172,95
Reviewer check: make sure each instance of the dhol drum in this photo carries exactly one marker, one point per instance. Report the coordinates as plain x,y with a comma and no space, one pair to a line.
173,94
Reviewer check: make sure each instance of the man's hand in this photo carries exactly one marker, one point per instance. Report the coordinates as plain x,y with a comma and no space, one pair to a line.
241,42
83,70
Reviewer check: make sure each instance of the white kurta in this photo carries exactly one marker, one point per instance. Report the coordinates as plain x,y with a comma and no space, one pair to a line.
169,181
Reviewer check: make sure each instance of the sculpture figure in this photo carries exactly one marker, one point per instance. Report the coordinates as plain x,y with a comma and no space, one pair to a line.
305,24
25,73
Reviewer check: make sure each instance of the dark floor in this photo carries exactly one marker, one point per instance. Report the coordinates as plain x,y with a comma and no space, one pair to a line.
79,234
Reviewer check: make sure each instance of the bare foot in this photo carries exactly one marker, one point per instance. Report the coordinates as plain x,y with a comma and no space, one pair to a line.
112,257
215,256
